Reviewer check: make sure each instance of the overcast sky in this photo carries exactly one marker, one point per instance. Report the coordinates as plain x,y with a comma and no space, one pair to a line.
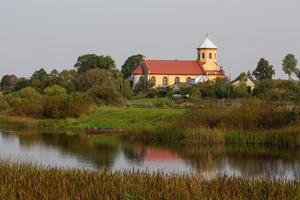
53,33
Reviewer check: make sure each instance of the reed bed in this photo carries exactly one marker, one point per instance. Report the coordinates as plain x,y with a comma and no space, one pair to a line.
19,181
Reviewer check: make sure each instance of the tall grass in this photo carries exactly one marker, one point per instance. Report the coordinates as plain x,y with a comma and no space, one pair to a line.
29,182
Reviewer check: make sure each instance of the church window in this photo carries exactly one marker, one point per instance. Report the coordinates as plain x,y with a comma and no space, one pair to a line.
153,80
189,80
165,81
210,55
215,56
203,55
177,80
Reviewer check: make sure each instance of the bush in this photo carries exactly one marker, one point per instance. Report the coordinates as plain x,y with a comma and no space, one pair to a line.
106,94
252,115
78,104
3,104
55,90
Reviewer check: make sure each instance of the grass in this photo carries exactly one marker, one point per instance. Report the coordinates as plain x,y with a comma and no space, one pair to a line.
151,102
19,181
107,117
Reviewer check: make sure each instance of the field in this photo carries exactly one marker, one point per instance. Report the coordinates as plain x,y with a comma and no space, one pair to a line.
108,117
19,181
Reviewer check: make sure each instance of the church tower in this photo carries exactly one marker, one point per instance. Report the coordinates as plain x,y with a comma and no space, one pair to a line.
207,54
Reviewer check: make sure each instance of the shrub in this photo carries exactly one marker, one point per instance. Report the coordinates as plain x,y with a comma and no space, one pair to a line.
3,104
55,90
252,115
78,104
106,94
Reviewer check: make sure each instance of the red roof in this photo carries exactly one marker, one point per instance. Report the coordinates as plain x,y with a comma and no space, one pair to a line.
174,67
138,71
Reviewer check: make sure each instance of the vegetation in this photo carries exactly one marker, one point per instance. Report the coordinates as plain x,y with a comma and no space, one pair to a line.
289,65
130,65
30,182
263,70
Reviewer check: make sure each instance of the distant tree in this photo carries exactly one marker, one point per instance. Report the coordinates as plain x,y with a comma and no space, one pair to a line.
22,83
131,64
289,65
263,70
8,83
95,77
40,74
93,61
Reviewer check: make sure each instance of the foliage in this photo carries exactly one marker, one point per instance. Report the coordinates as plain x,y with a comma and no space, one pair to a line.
263,70
252,115
277,90
21,181
55,90
131,64
92,61
8,83
144,87
240,91
289,65
106,94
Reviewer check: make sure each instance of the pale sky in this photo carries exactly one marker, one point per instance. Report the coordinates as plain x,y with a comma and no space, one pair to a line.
53,33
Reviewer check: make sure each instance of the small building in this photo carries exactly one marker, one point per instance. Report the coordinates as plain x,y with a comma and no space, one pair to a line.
245,78
165,73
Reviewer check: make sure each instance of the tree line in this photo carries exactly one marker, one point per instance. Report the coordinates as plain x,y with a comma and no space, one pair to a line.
69,93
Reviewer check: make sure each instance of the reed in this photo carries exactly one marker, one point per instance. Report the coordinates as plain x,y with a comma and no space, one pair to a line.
19,181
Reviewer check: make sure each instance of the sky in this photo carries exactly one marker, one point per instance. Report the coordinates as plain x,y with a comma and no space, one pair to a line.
51,34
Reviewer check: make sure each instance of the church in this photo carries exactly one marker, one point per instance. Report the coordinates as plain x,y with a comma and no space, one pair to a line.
164,73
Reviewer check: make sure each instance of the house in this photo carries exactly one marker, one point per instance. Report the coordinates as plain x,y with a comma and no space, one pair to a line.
165,73
245,78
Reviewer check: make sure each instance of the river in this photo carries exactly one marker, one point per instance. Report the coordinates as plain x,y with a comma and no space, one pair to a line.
80,151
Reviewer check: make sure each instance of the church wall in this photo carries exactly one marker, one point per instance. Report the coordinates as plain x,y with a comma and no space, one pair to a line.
171,79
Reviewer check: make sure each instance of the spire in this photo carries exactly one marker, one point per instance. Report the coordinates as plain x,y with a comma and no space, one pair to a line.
208,44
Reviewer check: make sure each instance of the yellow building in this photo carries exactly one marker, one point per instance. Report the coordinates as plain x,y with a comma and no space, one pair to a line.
164,73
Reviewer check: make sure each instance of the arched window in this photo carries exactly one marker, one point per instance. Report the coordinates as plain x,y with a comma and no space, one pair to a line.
203,55
210,55
141,78
189,80
165,81
177,80
153,80
215,56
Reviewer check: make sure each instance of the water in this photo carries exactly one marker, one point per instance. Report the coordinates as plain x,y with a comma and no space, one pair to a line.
79,151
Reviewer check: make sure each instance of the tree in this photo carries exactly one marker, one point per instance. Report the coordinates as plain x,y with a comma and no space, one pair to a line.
8,83
263,70
131,64
289,65
93,61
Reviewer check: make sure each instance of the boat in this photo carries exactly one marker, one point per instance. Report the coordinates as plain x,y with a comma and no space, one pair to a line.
103,131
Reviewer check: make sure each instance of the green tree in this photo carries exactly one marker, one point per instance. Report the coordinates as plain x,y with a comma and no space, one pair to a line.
263,70
93,61
289,65
131,64
222,88
55,90
8,83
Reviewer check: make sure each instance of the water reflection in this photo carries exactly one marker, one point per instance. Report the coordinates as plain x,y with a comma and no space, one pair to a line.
79,151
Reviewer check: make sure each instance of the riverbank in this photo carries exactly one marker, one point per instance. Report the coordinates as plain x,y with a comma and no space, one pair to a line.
30,182
247,123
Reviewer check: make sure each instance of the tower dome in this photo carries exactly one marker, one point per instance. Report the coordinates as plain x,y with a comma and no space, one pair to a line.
208,44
